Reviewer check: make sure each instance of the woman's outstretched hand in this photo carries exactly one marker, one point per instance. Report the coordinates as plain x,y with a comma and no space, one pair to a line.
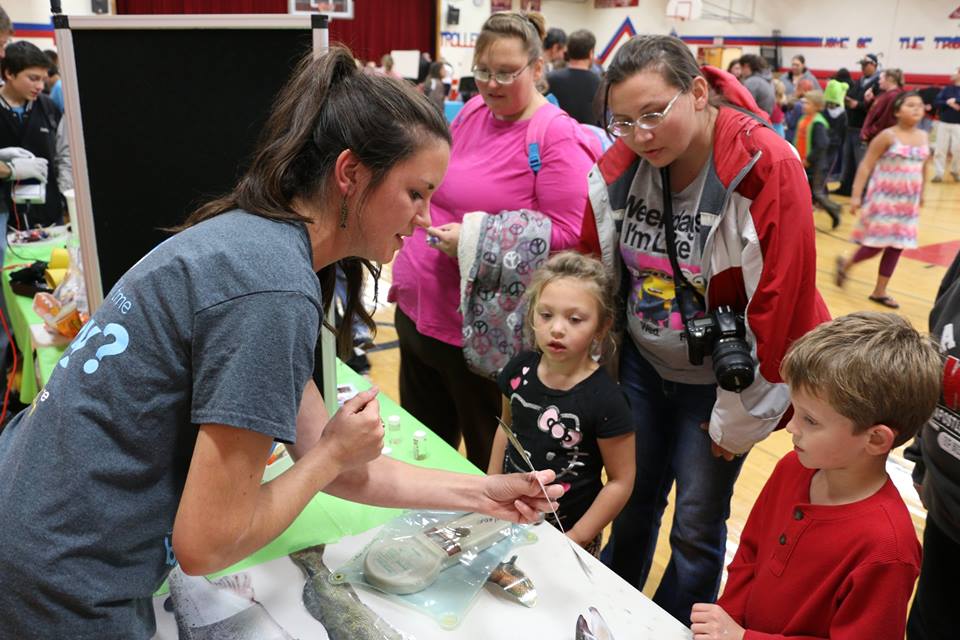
517,497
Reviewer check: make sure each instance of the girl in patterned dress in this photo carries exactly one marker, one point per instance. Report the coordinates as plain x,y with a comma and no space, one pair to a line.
895,164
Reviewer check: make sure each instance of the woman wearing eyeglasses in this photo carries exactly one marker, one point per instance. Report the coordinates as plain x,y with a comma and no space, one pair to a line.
489,171
743,237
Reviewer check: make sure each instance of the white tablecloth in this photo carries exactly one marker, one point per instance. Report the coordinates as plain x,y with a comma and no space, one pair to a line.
563,592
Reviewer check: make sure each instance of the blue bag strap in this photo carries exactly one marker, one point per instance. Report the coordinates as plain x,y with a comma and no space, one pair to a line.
537,131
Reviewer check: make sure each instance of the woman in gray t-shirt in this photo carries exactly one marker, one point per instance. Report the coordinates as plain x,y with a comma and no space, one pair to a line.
151,451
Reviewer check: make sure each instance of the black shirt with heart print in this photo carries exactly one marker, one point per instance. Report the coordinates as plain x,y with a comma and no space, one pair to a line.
559,428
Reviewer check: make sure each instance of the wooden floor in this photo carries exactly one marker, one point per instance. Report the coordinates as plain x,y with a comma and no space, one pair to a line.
914,285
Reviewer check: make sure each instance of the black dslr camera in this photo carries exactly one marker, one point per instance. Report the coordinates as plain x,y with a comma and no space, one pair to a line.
722,333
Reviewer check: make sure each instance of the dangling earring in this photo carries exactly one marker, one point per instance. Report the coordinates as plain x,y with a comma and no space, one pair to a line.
596,350
343,213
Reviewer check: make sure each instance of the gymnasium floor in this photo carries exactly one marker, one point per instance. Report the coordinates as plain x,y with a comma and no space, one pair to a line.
914,285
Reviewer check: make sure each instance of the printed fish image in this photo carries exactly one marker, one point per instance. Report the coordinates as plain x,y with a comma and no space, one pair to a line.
337,606
514,582
596,629
221,610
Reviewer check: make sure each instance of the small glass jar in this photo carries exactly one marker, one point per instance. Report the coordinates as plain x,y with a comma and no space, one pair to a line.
420,445
393,430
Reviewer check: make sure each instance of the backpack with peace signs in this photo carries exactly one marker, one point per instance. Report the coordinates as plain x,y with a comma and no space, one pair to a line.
511,246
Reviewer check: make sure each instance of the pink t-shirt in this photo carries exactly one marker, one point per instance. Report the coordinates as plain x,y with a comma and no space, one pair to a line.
489,171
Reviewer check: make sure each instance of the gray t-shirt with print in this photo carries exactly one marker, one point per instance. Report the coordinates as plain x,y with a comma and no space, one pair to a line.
653,314
216,325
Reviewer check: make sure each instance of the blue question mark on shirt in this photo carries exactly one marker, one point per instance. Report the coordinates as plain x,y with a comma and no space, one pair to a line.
118,346
88,331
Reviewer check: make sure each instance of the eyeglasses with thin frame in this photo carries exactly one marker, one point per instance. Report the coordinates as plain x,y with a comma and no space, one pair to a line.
622,128
501,78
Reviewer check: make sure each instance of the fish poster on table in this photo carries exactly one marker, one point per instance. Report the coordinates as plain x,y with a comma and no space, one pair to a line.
298,598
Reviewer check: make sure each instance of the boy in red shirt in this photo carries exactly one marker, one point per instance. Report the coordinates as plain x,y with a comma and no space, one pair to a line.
829,550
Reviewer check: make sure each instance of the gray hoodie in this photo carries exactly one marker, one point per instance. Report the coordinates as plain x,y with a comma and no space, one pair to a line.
760,86
789,87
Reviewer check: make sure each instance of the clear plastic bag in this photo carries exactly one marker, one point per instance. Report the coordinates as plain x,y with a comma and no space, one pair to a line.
72,289
434,561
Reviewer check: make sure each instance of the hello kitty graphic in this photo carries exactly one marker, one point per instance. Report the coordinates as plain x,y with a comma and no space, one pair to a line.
564,429
549,422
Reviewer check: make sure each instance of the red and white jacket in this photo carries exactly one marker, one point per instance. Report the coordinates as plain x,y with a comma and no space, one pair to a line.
758,252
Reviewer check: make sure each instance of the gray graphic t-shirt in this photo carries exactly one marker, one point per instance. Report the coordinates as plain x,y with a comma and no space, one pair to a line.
216,325
653,315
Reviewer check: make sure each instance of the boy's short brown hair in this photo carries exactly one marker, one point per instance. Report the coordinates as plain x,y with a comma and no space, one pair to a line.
872,368
816,98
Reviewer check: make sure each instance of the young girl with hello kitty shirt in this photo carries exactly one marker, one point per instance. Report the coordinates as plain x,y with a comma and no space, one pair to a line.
564,408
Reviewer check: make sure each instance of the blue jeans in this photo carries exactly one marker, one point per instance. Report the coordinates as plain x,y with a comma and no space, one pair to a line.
671,446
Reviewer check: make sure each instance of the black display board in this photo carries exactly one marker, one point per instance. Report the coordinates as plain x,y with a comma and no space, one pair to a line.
170,117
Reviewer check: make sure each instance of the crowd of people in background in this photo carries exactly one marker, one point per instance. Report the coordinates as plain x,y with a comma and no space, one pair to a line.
866,135
752,146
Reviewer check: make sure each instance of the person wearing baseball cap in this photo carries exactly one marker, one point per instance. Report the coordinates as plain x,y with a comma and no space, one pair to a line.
857,101
870,58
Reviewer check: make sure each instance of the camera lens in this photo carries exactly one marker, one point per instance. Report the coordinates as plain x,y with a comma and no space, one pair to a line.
732,364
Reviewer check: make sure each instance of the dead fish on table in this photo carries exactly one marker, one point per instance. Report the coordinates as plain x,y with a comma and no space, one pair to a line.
514,582
337,606
596,629
221,610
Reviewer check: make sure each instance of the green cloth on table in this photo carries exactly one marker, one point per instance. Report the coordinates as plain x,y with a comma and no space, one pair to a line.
22,315
326,518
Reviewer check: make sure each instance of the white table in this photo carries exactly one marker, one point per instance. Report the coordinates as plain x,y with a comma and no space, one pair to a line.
563,592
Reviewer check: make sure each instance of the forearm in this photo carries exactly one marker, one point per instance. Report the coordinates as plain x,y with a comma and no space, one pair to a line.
608,503
279,502
868,131
386,482
225,512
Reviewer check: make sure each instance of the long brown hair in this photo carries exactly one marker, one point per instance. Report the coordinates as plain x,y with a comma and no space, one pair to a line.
326,107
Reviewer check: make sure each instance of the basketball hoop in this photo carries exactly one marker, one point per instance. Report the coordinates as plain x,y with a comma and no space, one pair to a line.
683,10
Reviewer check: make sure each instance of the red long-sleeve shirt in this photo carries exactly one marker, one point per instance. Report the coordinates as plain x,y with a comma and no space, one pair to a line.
880,116
808,571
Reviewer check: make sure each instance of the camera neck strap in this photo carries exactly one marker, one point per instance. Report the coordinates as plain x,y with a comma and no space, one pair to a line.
688,298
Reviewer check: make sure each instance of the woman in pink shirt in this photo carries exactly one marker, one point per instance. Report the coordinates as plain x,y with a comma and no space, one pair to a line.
489,171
